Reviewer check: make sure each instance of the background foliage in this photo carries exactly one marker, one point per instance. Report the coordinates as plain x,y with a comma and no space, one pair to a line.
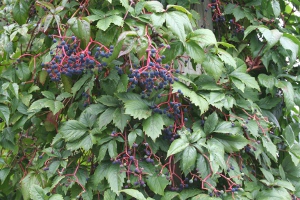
94,104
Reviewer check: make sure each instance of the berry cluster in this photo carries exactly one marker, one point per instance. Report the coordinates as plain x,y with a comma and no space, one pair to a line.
153,74
217,15
69,59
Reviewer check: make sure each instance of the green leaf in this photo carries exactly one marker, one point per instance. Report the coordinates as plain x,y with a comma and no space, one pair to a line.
37,193
252,126
178,22
273,194
216,150
104,23
20,11
238,84
176,49
213,66
120,119
115,177
284,184
102,152
153,126
109,195
226,127
204,36
288,92
195,51
231,143
288,44
267,81
134,193
81,29
289,135
72,130
180,8
177,146
106,117
210,123
246,79
5,113
87,119
276,7
56,197
48,95
23,72
80,83
109,100
196,99
157,184
268,175
85,143
137,109
169,195
188,158
158,19
112,148
3,174
154,6
226,58
270,148
131,137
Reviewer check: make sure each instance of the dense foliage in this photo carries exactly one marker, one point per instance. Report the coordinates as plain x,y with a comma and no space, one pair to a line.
94,103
